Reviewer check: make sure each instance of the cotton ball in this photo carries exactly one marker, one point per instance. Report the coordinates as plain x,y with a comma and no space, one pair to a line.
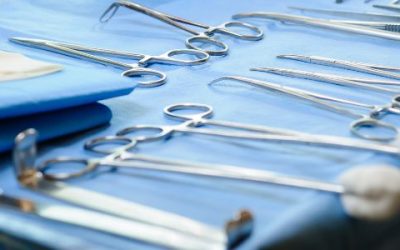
371,192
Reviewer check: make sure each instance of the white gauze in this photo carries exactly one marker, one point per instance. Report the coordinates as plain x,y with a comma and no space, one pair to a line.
15,66
371,192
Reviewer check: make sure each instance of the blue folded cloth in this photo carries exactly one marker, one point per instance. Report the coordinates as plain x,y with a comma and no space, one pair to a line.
54,123
74,85
46,102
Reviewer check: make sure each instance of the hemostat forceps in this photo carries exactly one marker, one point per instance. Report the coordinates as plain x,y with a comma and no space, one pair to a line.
152,225
379,70
234,130
322,23
136,69
118,155
364,83
326,102
202,38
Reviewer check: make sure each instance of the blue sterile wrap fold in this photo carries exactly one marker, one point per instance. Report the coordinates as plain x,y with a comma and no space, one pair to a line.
54,123
47,102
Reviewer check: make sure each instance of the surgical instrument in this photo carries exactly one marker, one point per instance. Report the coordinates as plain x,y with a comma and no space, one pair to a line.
105,223
379,197
387,7
367,16
394,27
379,70
246,131
131,70
183,228
203,38
373,20
377,192
365,83
327,102
321,23
121,157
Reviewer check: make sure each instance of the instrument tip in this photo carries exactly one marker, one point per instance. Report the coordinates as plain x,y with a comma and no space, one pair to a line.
239,228
265,69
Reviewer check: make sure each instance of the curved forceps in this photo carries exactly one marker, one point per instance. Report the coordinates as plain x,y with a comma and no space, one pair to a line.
135,69
202,38
326,102
191,122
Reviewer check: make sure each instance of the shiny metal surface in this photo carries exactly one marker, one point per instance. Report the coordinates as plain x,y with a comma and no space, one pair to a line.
107,224
370,119
130,70
204,38
321,23
172,229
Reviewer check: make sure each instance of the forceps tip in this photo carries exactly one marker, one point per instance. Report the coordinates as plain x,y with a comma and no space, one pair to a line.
240,15
222,78
265,69
111,9
19,39
290,56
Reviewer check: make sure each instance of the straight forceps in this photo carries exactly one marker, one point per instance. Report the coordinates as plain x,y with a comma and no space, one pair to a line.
321,23
373,20
323,101
135,69
379,70
368,16
118,155
199,38
244,131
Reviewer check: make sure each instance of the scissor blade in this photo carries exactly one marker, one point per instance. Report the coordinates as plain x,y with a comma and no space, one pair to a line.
132,211
108,224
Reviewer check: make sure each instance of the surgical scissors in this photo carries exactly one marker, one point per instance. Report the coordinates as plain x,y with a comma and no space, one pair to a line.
202,38
245,131
135,69
326,102
379,70
322,23
365,83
